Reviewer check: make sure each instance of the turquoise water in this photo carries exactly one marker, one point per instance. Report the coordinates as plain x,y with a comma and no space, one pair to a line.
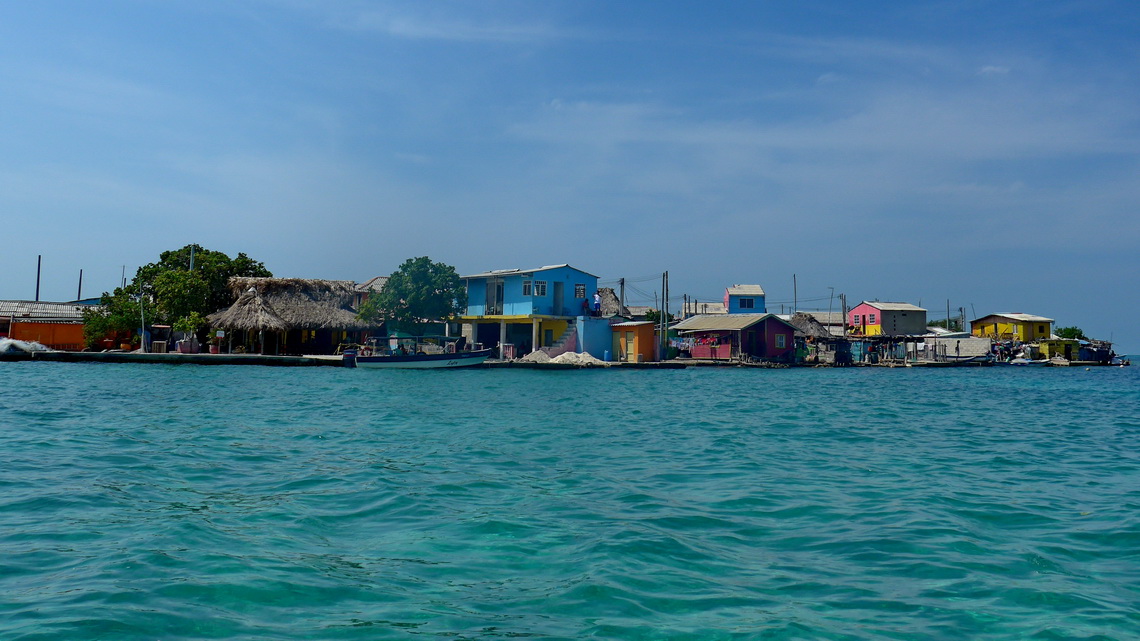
187,502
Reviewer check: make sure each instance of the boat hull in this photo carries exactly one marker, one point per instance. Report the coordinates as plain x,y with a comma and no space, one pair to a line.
424,361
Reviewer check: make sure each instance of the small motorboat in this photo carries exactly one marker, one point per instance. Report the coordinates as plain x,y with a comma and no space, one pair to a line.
414,352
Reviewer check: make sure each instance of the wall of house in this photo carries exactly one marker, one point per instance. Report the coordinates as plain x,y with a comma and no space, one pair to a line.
862,311
903,322
890,322
516,304
773,328
556,328
477,297
732,304
594,336
701,348
569,277
1005,328
643,342
1064,348
66,336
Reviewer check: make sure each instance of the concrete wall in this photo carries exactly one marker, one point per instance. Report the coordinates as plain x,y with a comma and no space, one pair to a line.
594,336
54,335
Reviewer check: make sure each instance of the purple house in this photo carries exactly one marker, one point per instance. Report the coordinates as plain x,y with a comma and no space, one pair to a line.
735,336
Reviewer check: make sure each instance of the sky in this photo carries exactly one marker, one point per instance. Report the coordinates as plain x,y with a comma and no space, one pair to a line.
981,153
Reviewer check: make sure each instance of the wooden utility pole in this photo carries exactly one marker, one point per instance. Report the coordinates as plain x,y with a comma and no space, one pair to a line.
843,303
621,283
661,314
795,295
39,262
79,294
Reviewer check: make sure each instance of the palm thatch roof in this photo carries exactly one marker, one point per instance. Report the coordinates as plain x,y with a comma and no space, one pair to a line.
807,325
611,304
290,303
251,313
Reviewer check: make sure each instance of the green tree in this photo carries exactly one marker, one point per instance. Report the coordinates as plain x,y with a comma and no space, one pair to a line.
117,315
952,324
179,293
213,268
1070,332
419,292
170,291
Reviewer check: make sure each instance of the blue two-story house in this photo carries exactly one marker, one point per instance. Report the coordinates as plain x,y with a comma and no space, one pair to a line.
527,308
744,299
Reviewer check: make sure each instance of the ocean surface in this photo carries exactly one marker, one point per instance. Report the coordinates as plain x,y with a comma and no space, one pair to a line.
190,502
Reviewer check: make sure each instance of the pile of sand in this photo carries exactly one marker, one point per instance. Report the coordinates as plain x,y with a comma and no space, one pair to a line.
582,360
537,356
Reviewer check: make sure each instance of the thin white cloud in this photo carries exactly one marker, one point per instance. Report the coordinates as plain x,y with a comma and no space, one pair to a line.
458,22
993,70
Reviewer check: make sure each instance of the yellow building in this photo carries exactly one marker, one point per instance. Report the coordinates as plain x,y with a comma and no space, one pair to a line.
1067,348
1026,328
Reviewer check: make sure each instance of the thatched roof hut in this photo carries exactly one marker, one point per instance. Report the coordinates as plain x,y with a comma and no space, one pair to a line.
297,303
807,325
611,304
250,313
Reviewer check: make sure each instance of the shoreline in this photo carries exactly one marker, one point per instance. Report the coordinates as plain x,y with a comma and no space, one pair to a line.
337,361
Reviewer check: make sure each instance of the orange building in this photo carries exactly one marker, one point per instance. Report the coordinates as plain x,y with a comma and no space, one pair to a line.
56,325
634,342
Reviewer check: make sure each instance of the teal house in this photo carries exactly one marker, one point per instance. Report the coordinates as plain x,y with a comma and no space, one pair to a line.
521,310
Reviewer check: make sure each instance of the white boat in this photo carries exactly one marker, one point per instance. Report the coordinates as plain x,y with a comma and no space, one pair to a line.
1025,362
421,352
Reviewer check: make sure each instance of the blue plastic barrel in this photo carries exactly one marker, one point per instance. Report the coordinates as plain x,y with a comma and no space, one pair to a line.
607,357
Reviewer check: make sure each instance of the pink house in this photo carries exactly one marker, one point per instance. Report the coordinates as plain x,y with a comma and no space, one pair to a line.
874,318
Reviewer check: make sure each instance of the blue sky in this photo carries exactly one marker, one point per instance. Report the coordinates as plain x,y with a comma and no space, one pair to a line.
981,152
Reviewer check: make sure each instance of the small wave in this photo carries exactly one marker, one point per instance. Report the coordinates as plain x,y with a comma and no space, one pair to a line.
13,346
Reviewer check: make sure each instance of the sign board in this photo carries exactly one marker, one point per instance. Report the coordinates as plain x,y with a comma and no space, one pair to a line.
221,333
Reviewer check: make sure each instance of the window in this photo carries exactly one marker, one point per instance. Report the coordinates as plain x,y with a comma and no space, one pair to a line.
855,319
747,303
540,288
870,319
579,290
781,341
526,288
1040,329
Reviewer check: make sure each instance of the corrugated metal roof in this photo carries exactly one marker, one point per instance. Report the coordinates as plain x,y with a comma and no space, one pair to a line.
746,290
893,307
508,272
827,318
722,322
705,308
37,310
373,284
1024,318
632,324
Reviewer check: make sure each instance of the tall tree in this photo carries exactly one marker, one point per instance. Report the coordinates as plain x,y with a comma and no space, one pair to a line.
170,291
214,268
419,292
